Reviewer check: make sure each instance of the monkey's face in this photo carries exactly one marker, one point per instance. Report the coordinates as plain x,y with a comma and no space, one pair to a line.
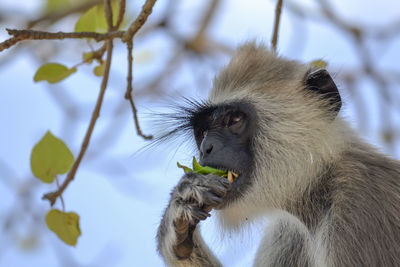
224,134
286,124
268,119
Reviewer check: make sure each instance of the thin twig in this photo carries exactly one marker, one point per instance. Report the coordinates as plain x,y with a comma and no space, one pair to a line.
98,54
61,197
9,42
122,5
140,20
128,38
52,196
128,94
109,14
41,35
19,35
274,40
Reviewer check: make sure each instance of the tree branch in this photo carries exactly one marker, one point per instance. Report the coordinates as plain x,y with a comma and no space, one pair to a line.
9,42
140,20
52,196
128,94
274,40
122,5
41,35
127,37
61,197
109,14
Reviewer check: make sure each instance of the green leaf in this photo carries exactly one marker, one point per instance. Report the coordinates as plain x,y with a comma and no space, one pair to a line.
319,63
49,157
94,20
99,70
206,170
88,21
65,225
195,165
185,168
101,16
197,168
52,73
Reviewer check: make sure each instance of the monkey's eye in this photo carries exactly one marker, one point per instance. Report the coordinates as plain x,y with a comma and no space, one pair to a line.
235,119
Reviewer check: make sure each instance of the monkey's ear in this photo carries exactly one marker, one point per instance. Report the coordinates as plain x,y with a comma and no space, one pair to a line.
321,82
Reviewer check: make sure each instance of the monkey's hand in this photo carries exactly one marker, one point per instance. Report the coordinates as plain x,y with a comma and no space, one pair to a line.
191,201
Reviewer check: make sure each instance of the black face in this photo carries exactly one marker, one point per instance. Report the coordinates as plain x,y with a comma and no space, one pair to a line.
224,136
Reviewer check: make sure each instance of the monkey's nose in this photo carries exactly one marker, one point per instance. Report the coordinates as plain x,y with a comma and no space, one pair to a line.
206,146
211,148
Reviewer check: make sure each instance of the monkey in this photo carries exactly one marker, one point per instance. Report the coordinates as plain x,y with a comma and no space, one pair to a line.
331,198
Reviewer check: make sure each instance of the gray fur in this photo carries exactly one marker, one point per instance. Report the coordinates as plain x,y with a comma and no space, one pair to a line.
285,243
334,200
179,240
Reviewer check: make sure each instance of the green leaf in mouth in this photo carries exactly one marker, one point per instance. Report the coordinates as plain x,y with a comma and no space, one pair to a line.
197,168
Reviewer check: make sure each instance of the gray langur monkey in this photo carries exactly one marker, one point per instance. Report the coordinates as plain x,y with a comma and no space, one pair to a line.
333,199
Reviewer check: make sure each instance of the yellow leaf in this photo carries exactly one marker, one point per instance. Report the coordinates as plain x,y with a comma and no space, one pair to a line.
49,157
99,70
52,73
88,21
94,20
65,225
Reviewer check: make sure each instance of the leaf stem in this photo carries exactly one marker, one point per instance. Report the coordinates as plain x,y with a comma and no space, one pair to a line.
61,197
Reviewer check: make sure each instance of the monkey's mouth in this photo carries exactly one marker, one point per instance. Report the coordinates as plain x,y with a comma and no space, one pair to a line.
232,174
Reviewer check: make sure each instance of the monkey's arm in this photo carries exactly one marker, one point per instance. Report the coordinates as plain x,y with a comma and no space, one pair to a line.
179,239
177,250
286,243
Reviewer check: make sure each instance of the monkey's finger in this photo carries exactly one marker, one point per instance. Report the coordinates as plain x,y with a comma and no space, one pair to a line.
215,189
180,237
211,199
207,208
222,182
181,225
199,214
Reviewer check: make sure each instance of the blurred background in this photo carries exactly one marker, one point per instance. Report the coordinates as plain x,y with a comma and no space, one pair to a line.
122,186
